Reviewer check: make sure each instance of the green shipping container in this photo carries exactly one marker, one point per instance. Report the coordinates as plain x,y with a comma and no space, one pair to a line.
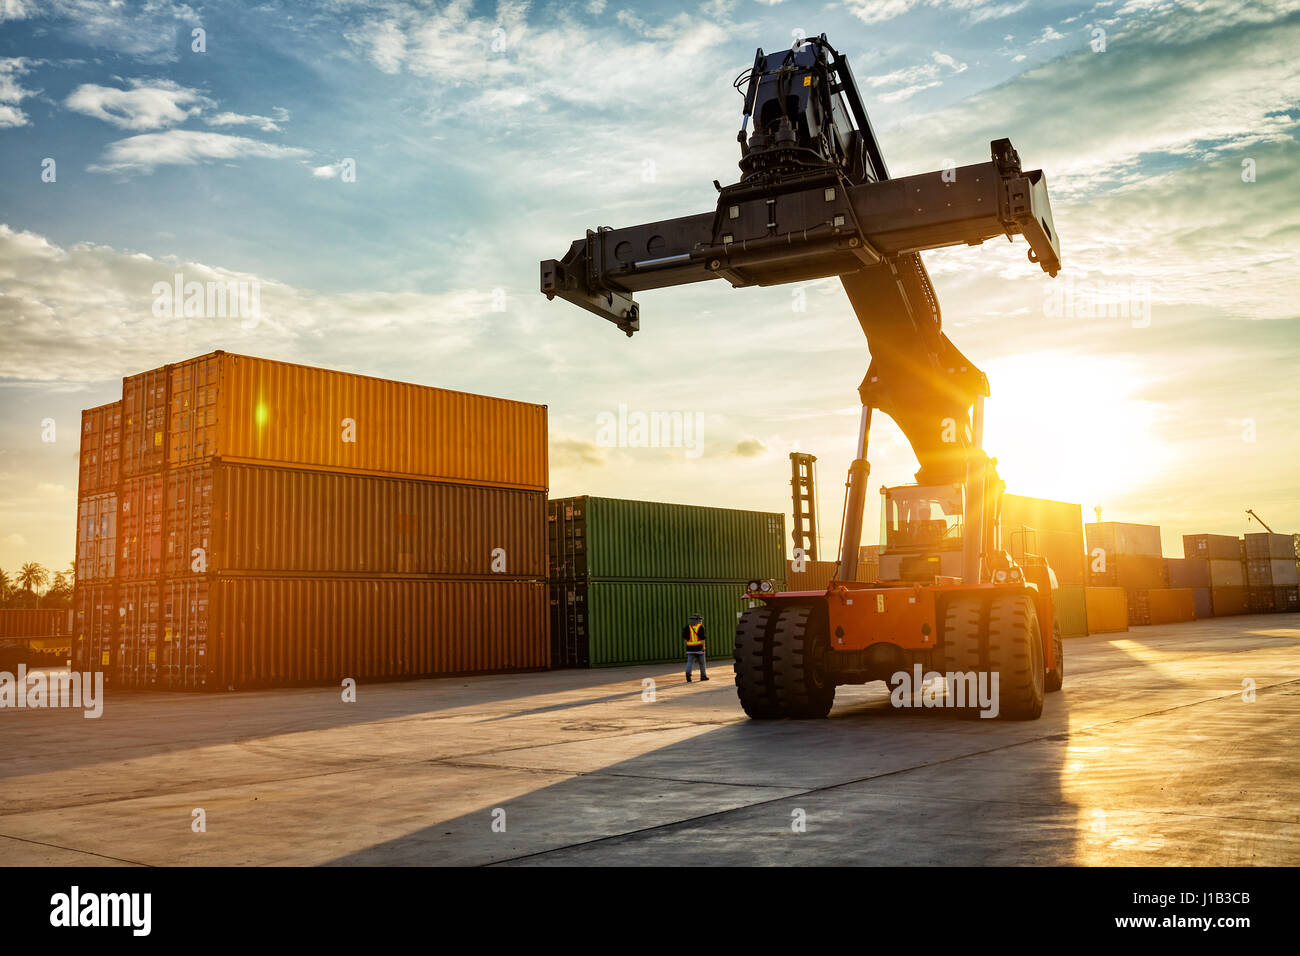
1071,611
609,623
616,539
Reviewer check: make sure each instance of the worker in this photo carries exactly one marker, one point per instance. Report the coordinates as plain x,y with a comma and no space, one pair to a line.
693,635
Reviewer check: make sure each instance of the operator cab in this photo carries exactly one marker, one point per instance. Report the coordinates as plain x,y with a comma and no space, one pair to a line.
921,532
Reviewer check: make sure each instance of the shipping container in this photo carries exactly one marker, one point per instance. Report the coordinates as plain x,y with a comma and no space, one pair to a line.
610,623
1121,538
35,622
618,539
1271,572
144,422
1226,573
94,626
1266,545
244,409
1286,599
1187,572
139,610
1229,600
1203,602
101,449
1134,572
233,632
235,518
1212,546
97,537
1052,529
1161,606
140,526
1259,600
1107,610
1071,610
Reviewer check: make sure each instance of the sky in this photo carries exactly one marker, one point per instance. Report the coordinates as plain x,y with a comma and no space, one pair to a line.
388,175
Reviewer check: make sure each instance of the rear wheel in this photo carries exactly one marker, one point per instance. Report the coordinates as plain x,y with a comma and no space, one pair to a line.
755,685
1056,676
803,688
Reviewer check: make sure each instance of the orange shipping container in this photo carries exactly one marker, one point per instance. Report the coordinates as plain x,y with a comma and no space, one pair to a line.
33,622
283,520
144,422
1107,610
139,526
1171,605
94,634
243,409
96,537
101,449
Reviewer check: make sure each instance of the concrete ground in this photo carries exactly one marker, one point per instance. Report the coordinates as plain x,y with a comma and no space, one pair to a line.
1149,756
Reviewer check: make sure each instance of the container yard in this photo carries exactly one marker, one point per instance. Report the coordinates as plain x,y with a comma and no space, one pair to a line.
568,436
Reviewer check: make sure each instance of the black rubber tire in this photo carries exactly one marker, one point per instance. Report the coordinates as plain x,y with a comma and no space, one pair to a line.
755,682
803,691
1015,653
962,649
1056,676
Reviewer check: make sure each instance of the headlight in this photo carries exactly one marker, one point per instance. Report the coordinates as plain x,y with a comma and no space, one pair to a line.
1015,574
999,577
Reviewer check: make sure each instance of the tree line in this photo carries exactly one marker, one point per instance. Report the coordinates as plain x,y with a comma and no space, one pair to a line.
32,586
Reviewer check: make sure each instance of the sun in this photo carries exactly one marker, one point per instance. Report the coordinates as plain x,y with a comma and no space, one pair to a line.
1073,427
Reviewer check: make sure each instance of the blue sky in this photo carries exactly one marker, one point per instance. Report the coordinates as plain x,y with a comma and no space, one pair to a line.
485,137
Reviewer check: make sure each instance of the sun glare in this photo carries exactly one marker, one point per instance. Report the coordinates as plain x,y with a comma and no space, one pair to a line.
1071,427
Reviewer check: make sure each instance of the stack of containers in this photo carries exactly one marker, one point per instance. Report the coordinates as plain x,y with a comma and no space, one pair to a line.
1271,580
283,524
1053,530
1126,558
1217,561
94,596
627,575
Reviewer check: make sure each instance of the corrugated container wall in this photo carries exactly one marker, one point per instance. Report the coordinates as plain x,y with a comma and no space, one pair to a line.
97,537
33,622
1107,610
1265,545
240,408
1071,610
617,539
144,422
305,630
101,449
609,623
281,520
1121,538
1214,546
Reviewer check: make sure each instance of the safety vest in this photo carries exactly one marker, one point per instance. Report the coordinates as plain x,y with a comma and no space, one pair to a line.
695,640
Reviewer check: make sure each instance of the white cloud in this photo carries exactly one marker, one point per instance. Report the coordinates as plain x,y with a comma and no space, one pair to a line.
147,151
149,29
11,91
265,123
977,11
83,313
146,104
911,80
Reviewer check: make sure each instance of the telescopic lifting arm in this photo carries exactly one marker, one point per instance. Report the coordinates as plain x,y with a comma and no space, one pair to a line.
815,199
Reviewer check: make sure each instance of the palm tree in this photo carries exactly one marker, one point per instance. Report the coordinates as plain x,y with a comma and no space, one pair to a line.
5,586
32,576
